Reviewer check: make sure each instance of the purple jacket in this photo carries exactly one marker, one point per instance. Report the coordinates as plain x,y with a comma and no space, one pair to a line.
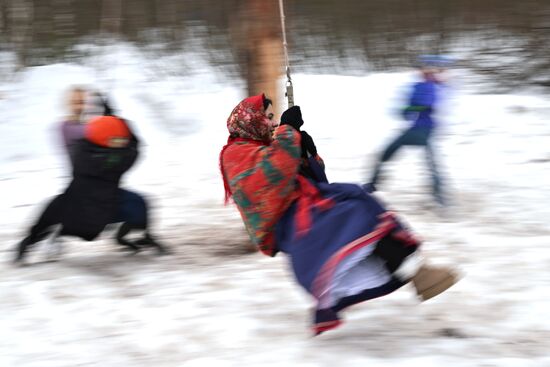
72,131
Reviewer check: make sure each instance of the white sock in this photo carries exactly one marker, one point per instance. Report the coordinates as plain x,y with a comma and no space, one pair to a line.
409,267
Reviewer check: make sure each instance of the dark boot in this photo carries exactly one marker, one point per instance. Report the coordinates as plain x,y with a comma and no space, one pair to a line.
23,247
124,229
146,241
149,241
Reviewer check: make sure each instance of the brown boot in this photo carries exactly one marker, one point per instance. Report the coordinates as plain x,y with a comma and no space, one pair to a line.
430,281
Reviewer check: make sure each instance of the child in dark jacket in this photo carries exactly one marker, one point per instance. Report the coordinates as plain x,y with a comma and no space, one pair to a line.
93,199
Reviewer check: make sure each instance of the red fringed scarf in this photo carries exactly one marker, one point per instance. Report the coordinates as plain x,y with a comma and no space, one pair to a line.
230,141
310,198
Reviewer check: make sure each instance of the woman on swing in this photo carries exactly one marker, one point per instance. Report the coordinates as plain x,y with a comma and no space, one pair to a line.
344,246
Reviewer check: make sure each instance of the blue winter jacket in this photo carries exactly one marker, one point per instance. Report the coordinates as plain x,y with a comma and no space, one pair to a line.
421,106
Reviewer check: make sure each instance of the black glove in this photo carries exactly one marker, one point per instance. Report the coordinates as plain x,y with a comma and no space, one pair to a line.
104,101
308,146
292,117
107,109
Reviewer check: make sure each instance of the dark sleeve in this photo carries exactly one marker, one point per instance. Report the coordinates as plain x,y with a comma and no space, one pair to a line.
105,163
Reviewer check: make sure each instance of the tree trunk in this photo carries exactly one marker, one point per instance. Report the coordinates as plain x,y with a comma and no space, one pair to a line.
256,32
21,16
3,21
64,19
111,16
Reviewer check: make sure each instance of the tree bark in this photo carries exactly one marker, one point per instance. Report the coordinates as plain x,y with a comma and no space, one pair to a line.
111,16
257,35
3,21
64,18
21,16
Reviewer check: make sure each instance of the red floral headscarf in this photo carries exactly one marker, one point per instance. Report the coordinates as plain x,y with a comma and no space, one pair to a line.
248,120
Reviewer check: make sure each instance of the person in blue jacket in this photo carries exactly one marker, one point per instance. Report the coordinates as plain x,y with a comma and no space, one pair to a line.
422,103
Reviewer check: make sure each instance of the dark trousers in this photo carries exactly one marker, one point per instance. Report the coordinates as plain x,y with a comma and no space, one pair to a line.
132,209
413,137
393,252
49,218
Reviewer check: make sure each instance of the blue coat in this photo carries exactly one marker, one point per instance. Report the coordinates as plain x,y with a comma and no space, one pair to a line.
421,105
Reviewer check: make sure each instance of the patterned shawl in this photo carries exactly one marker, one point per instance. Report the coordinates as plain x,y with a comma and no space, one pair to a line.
259,171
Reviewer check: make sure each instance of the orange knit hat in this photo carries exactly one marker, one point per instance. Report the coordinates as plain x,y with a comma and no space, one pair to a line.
108,131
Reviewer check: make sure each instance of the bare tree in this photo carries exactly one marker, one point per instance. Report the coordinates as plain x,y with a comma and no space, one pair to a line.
167,13
256,33
111,16
3,20
21,16
64,18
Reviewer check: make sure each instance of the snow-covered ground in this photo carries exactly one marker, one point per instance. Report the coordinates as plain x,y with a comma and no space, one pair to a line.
213,304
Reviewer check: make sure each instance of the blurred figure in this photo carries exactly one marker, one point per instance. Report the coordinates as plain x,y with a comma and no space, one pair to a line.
344,246
101,152
72,128
82,105
132,207
422,103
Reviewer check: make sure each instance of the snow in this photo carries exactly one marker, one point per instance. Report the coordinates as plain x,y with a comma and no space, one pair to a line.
213,304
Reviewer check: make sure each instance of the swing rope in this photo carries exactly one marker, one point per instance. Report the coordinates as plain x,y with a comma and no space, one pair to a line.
289,88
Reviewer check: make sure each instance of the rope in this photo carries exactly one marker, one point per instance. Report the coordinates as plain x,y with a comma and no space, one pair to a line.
289,88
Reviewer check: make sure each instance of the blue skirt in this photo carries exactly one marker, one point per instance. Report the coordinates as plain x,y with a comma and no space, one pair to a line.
333,261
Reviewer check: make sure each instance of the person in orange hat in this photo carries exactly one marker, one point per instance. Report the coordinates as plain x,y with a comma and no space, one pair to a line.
94,199
108,132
